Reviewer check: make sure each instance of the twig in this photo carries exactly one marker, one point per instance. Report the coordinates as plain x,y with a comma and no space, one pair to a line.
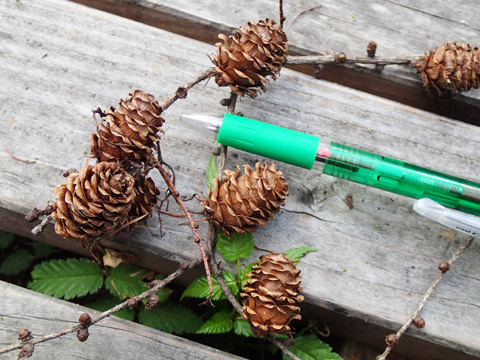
301,13
188,215
181,92
158,285
17,158
425,298
282,347
40,227
282,17
351,59
211,239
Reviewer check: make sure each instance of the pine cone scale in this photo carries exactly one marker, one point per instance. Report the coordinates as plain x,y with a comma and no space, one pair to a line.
243,202
247,57
452,66
270,301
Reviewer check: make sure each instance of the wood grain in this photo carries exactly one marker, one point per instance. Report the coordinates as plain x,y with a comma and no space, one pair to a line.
398,27
374,262
112,338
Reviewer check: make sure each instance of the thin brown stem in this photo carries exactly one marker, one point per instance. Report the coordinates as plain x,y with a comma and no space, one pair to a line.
158,285
352,59
282,17
425,298
16,157
301,13
282,347
189,217
181,92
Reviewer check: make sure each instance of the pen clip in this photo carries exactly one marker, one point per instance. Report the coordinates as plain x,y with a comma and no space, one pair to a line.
466,223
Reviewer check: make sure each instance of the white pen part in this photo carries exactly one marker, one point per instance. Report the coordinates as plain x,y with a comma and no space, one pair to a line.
206,123
467,223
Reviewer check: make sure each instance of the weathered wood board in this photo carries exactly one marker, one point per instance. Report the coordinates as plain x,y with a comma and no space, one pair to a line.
112,338
59,60
313,27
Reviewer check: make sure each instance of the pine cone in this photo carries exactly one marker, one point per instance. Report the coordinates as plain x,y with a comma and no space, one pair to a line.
272,295
93,202
249,56
146,197
129,132
242,203
451,66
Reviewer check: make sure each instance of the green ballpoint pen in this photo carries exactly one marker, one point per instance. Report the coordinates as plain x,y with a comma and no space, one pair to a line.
341,161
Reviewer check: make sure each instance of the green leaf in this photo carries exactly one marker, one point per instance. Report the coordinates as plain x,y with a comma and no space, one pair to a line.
126,281
297,253
6,239
237,246
16,262
67,278
212,171
42,250
199,287
171,318
220,323
105,304
243,275
242,327
309,347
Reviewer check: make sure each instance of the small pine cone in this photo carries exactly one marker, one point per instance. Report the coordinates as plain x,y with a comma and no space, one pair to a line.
146,196
129,132
451,66
247,57
271,295
93,202
243,202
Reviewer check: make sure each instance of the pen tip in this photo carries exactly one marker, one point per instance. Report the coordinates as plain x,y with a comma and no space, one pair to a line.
203,122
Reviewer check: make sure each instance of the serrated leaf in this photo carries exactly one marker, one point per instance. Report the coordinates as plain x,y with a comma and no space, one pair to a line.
126,281
42,250
66,278
199,287
171,318
220,323
16,262
242,327
297,253
107,303
6,239
237,246
309,347
212,171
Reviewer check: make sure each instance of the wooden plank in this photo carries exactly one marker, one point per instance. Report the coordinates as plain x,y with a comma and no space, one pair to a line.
112,338
399,27
374,262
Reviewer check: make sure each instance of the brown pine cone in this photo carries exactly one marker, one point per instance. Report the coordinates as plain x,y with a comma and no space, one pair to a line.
146,197
129,132
451,66
243,202
93,202
247,57
271,295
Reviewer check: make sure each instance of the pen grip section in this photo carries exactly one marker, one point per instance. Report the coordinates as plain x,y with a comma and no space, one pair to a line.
402,178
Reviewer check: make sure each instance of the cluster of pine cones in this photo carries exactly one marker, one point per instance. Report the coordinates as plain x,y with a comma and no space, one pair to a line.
112,195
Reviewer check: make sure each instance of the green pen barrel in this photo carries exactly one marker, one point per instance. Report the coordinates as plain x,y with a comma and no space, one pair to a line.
274,142
402,178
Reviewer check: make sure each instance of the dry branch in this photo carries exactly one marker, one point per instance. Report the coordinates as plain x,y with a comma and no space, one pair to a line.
158,285
392,339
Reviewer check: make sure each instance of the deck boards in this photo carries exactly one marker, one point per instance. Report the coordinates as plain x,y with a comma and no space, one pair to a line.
374,262
112,338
